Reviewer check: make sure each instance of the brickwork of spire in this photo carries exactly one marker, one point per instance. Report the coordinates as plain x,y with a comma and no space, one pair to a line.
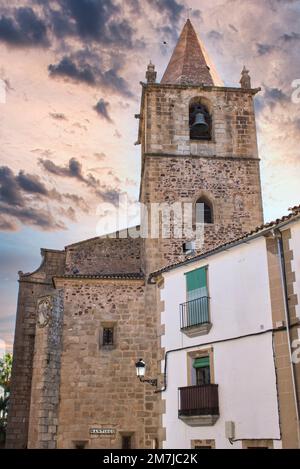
188,64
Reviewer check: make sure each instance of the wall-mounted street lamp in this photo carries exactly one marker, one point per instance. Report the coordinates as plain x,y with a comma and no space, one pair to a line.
140,367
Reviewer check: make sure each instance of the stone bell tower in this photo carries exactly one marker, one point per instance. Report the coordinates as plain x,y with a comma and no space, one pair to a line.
198,143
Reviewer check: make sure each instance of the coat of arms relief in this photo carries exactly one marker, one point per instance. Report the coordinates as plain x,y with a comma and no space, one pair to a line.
44,310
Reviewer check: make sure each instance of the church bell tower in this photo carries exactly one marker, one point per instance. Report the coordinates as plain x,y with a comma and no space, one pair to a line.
199,146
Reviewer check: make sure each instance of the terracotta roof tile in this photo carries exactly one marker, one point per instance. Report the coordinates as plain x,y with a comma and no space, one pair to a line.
295,214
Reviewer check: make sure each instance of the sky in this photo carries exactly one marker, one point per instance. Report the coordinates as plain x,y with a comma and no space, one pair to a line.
70,73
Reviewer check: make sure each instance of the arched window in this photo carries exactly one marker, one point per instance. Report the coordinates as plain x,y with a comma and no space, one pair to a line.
199,121
204,211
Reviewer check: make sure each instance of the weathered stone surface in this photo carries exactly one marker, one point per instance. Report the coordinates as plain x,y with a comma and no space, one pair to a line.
31,287
103,255
64,381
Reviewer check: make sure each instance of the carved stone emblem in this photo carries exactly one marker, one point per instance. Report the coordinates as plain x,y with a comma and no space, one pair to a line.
44,309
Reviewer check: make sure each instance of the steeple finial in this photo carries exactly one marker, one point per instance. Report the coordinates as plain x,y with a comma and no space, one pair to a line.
151,73
245,80
189,62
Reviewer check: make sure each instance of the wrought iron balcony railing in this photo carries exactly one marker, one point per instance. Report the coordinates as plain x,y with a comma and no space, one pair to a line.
194,313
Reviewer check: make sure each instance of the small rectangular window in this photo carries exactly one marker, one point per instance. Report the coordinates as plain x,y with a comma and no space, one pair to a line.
126,442
202,368
80,444
108,336
203,447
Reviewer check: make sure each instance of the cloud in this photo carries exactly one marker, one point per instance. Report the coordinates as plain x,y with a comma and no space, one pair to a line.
30,183
25,198
40,218
290,37
213,34
7,224
263,49
69,69
74,170
78,70
9,188
273,96
23,28
102,109
99,21
170,7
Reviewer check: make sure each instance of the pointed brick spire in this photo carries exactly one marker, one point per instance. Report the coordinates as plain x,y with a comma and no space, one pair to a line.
188,64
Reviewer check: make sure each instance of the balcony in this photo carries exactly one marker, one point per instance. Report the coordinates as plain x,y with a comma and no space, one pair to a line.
194,317
199,405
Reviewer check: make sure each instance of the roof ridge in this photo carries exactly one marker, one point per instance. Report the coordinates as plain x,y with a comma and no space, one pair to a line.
294,215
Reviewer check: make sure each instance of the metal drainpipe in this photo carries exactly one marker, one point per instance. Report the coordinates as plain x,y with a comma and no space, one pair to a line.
287,320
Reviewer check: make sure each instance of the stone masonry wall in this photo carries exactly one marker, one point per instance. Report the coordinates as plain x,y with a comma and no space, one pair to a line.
103,255
99,387
45,387
225,170
167,121
31,287
232,186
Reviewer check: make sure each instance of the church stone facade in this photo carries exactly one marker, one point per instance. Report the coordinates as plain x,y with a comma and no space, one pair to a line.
89,311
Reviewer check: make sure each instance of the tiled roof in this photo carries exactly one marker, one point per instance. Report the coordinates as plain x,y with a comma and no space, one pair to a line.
259,231
121,276
188,64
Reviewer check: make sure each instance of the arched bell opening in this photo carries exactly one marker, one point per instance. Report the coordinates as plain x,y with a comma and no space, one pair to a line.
200,121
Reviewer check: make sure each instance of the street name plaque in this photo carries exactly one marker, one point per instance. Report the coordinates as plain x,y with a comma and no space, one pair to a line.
102,431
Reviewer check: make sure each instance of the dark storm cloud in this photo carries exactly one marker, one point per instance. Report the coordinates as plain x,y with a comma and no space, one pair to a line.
69,69
102,109
32,216
99,21
81,71
30,183
9,188
170,7
23,28
90,16
24,198
89,20
74,170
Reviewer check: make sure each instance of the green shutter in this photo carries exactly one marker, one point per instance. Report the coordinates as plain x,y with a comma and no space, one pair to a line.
196,279
196,283
201,362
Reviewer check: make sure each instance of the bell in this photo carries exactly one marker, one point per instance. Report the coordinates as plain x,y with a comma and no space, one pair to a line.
200,126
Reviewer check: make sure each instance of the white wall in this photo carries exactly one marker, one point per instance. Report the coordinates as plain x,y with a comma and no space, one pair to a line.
244,368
